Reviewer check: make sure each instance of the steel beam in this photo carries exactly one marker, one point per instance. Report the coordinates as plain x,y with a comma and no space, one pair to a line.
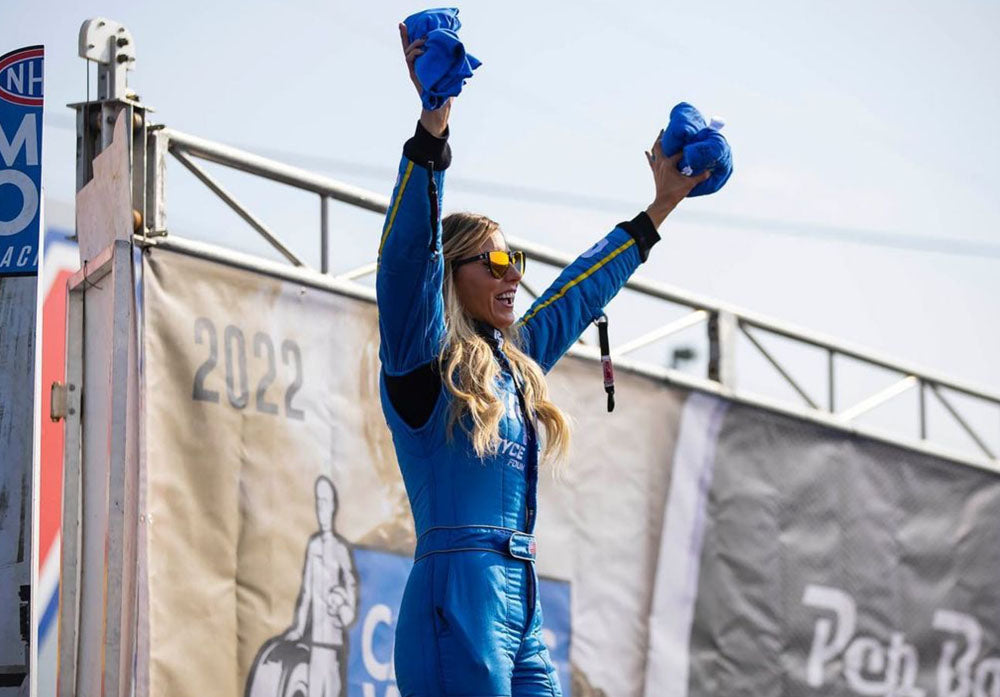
296,274
238,207
358,272
689,320
276,171
777,366
962,422
880,397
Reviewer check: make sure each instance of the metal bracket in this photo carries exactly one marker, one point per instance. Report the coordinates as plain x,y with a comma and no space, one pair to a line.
109,44
59,402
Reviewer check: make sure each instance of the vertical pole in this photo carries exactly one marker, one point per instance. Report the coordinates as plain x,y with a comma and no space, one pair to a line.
120,560
114,201
155,217
324,234
69,573
922,393
101,460
722,330
84,145
831,382
137,129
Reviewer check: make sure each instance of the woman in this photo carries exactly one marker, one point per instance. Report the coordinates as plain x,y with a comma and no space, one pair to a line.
463,390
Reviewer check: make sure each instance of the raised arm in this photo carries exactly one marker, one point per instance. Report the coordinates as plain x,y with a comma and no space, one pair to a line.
410,265
578,296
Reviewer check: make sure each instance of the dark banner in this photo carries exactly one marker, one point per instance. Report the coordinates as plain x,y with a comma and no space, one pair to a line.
819,563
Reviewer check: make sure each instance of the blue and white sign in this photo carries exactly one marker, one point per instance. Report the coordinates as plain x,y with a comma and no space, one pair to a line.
382,577
21,93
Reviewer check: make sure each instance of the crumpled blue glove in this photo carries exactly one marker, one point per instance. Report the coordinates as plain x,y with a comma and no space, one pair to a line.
444,65
702,147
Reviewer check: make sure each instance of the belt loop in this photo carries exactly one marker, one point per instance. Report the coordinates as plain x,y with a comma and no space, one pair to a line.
522,546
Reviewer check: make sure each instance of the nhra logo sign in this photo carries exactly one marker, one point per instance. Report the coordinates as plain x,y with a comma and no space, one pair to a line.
21,76
21,93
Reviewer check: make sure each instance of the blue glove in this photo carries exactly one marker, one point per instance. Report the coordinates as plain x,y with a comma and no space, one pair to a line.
702,147
444,65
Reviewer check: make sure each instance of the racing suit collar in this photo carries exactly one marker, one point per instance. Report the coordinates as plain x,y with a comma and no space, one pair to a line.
492,335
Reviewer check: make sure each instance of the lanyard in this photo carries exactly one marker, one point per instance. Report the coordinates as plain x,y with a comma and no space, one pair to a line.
606,366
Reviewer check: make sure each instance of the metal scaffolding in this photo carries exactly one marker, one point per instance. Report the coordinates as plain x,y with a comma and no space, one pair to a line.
724,322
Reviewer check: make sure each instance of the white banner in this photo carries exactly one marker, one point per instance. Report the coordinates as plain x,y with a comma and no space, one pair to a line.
273,499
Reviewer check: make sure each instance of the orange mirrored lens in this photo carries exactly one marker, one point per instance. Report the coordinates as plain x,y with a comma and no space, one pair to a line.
500,261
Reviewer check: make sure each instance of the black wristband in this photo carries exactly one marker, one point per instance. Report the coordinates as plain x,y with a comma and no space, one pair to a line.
644,233
425,147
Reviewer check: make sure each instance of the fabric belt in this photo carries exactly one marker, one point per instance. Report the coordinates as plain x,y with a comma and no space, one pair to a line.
476,538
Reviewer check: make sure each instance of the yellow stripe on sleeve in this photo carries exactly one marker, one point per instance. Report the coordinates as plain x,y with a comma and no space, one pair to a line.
578,279
395,206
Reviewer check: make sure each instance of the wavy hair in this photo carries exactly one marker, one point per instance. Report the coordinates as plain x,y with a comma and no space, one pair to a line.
469,368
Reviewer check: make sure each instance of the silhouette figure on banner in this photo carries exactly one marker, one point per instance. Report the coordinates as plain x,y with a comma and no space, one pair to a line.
310,658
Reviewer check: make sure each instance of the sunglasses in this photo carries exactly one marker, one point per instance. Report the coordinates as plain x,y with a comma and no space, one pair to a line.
498,261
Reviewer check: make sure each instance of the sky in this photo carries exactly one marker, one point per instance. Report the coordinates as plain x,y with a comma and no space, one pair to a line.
863,201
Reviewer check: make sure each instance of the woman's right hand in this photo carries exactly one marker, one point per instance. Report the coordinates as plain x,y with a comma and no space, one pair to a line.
410,53
436,122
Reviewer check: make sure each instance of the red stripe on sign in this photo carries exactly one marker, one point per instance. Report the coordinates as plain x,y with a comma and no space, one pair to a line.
23,101
17,58
22,55
53,368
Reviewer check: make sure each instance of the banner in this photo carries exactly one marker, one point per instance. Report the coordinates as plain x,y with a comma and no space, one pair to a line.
60,260
21,97
20,212
272,499
691,547
808,561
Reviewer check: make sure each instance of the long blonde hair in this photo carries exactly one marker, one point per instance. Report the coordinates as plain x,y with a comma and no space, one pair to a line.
467,364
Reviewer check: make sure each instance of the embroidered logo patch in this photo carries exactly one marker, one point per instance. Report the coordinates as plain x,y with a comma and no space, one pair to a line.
596,249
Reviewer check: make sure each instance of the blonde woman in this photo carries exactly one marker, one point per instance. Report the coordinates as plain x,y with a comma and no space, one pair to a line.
463,391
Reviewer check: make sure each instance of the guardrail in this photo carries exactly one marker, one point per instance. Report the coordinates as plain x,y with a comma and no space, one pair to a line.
724,323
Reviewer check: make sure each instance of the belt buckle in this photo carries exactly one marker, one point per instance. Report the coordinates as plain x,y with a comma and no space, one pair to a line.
522,546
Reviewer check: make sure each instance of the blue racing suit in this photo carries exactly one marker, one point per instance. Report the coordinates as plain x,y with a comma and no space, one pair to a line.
470,621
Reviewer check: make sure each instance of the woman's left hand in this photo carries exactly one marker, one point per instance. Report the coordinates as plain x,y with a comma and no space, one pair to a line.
671,186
